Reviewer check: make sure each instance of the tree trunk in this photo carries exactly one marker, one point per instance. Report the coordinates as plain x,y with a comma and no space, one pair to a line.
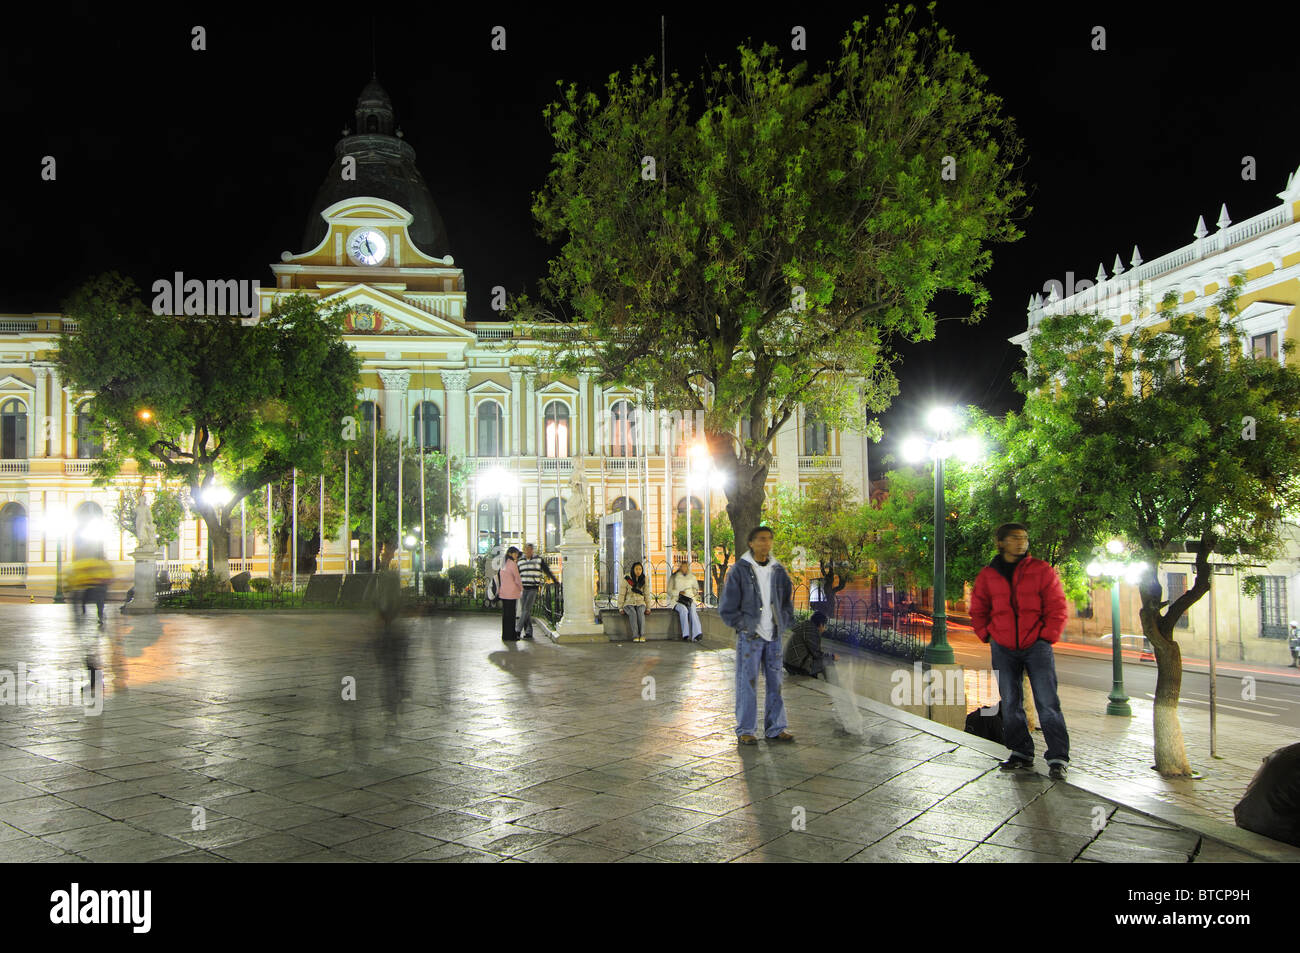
745,503
1171,751
219,535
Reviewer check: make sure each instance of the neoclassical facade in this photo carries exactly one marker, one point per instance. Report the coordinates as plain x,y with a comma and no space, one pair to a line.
1266,248
375,243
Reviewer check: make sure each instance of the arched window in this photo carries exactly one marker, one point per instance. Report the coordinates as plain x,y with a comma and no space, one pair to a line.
235,546
697,508
622,503
369,412
814,436
13,430
13,533
88,530
554,523
622,425
489,524
555,425
491,429
89,446
427,413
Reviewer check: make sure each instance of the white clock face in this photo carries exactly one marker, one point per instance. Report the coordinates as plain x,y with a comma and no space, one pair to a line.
368,246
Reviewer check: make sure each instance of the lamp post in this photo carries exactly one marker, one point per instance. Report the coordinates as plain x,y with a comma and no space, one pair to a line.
943,422
710,478
1113,569
56,522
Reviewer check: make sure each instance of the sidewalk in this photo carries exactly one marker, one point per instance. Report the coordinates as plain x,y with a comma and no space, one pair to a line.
460,748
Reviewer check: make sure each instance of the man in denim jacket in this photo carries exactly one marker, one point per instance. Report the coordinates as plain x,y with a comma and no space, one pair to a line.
756,602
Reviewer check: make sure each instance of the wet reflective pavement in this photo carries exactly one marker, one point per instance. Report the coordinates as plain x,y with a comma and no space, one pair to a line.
321,737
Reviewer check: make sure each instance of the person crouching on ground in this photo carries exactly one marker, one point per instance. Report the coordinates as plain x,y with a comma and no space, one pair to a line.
632,601
683,588
1019,608
756,602
803,654
510,590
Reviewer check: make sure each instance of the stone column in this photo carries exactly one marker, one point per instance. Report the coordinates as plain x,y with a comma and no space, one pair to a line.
516,418
61,432
396,382
146,578
580,622
534,442
40,448
584,402
456,421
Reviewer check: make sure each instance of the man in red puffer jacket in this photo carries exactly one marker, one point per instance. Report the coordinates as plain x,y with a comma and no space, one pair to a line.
1019,604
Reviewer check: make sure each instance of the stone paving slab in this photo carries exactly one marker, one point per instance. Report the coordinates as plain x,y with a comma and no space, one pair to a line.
298,737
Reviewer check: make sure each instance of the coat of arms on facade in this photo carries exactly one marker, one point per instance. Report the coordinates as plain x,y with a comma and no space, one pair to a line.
363,317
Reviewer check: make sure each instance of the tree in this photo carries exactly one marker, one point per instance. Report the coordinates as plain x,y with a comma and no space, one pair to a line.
770,251
720,537
1201,452
227,403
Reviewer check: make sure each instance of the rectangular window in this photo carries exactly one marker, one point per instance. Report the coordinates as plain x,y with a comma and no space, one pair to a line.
1175,586
1264,345
1272,608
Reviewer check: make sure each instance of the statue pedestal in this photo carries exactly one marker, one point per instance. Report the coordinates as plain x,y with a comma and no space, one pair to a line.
146,582
579,623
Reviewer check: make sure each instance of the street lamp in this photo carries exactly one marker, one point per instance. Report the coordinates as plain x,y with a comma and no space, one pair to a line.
710,478
55,522
943,421
1113,569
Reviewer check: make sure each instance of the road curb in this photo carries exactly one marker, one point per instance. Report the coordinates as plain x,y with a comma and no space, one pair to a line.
1247,842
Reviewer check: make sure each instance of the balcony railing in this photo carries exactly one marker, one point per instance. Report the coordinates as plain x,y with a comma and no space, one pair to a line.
555,464
13,570
819,462
17,327
494,334
620,464
79,468
15,467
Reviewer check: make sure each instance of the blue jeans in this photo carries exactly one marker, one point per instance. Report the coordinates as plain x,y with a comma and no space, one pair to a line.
524,621
691,628
1011,664
635,620
753,654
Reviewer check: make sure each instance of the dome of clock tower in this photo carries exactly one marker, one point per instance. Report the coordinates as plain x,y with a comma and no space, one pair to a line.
385,169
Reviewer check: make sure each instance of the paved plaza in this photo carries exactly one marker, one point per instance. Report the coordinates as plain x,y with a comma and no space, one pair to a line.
235,737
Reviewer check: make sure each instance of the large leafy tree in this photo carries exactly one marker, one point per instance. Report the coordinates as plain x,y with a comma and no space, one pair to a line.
227,404
1171,439
768,249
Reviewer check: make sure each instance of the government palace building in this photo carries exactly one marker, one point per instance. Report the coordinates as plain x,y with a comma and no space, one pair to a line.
377,244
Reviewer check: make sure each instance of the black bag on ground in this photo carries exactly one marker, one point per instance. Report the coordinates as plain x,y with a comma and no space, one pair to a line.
1271,804
985,723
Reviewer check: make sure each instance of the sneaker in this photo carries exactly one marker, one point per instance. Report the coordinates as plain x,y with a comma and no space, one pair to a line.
528,637
1057,772
748,740
697,638
783,736
1016,764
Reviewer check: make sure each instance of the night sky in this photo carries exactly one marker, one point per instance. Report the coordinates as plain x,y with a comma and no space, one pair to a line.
208,162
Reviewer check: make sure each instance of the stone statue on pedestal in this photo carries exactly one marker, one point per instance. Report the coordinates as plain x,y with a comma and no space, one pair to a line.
145,534
575,507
